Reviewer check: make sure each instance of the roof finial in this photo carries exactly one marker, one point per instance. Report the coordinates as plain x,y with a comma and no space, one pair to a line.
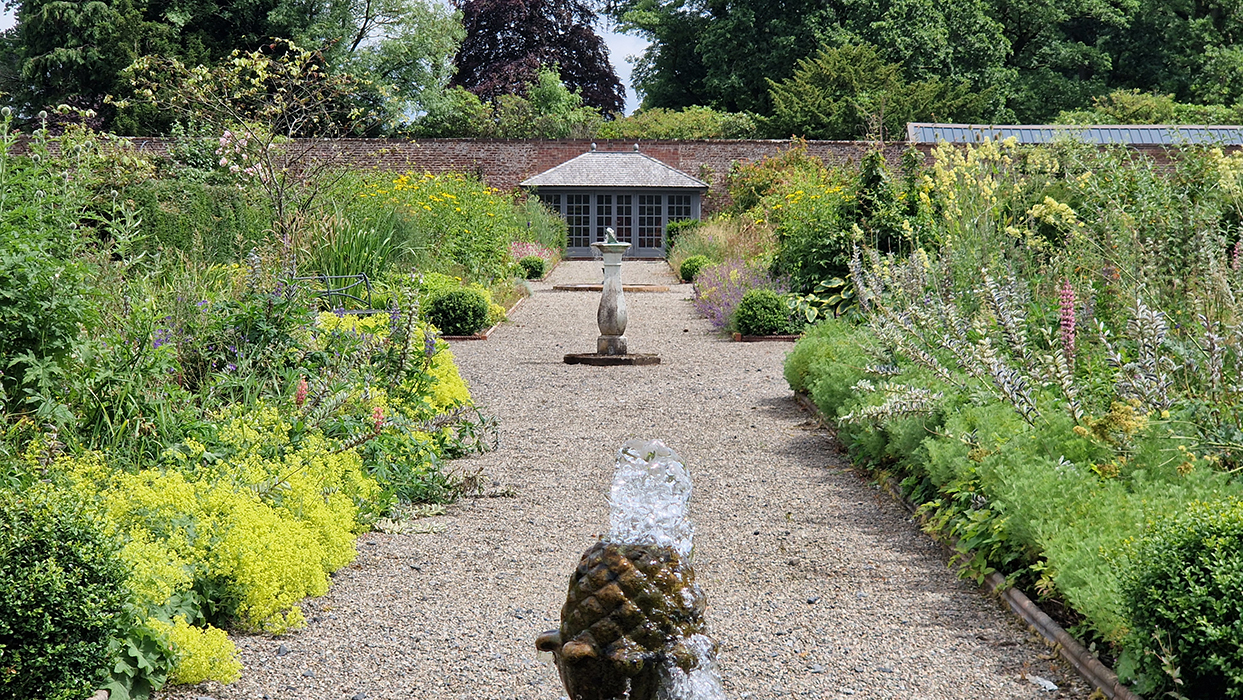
593,147
636,148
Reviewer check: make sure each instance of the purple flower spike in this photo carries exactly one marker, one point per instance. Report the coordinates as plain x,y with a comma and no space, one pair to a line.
394,316
1066,313
429,343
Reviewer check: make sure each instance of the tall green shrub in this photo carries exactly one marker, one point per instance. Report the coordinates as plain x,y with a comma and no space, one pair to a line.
217,222
62,597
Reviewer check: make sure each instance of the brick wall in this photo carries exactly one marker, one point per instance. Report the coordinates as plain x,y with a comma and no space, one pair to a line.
503,164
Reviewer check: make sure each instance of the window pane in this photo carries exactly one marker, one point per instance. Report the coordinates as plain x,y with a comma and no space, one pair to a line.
552,201
604,215
650,221
679,207
623,221
578,219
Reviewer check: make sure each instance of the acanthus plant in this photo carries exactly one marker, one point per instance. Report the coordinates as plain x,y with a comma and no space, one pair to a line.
989,339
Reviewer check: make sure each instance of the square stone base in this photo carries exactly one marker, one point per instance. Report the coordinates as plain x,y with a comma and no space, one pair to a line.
610,360
611,345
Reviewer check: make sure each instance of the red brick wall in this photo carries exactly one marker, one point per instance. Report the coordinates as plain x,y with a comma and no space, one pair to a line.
503,164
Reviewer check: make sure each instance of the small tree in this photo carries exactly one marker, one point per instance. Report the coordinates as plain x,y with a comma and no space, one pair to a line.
264,104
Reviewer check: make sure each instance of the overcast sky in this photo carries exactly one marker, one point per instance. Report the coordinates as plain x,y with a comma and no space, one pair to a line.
621,47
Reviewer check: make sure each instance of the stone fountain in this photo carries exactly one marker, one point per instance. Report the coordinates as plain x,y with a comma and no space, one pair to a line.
611,316
633,622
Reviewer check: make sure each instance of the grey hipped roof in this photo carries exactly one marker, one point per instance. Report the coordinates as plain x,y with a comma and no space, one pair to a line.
614,169
1114,134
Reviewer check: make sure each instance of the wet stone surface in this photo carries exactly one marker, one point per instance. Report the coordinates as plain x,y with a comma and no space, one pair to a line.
781,522
627,612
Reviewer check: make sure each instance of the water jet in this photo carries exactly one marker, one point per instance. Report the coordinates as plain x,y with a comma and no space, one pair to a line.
633,621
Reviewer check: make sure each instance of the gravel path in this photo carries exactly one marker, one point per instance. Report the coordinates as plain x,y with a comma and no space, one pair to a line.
818,584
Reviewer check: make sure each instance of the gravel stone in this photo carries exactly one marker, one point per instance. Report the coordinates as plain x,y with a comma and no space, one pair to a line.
781,521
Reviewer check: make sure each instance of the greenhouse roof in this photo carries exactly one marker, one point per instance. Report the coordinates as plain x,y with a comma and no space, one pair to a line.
614,169
1132,135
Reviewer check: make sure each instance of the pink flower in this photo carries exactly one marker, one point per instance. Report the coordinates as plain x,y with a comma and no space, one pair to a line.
299,396
1066,313
224,162
377,417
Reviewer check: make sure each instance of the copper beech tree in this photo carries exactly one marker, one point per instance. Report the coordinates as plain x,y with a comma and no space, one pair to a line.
508,42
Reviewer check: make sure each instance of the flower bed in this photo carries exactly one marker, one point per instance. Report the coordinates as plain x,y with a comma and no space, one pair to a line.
1047,367
203,435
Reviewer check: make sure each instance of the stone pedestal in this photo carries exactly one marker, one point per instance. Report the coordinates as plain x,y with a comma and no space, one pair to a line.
611,317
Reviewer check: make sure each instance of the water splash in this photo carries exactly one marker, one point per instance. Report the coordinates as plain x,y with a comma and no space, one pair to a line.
651,488
703,682
648,505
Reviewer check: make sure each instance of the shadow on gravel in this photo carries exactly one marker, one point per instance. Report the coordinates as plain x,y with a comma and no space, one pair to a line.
784,406
861,507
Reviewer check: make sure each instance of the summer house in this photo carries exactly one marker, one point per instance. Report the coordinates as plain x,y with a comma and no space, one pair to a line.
632,193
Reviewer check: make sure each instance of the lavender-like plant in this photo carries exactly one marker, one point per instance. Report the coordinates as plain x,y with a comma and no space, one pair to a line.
720,288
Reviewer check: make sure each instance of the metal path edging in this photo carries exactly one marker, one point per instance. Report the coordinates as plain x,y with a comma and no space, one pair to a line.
1089,667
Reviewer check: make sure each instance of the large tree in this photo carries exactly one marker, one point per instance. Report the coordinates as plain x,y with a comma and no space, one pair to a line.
722,53
1035,57
65,52
1192,49
508,42
1057,51
73,51
852,93
404,47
